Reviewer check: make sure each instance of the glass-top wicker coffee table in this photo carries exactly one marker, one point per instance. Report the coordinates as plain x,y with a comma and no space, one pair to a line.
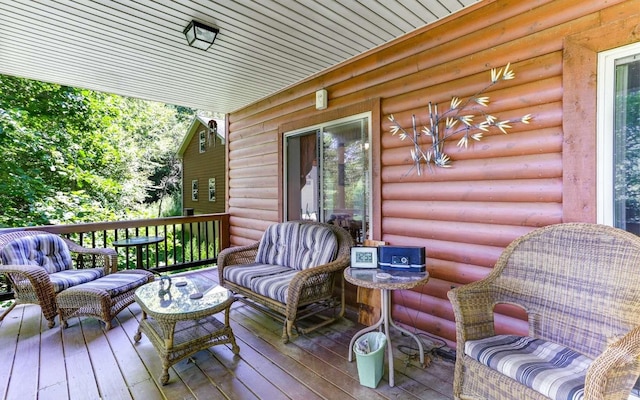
178,317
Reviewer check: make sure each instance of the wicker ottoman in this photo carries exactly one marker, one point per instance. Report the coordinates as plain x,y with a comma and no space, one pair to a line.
102,298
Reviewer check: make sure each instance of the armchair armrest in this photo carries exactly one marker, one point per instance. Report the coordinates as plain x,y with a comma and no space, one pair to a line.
35,274
39,290
473,309
238,255
105,257
313,279
617,363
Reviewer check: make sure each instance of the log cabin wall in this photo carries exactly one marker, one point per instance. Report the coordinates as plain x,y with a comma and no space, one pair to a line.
496,190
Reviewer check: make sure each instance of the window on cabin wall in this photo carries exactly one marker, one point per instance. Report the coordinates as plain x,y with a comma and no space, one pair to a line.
327,174
194,190
202,143
619,138
212,189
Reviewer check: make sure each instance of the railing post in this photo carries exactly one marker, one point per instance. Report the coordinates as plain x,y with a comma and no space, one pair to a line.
225,232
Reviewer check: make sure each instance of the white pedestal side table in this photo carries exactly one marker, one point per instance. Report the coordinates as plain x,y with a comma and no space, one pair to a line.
391,280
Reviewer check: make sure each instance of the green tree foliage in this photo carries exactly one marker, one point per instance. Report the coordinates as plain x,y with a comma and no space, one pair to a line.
71,155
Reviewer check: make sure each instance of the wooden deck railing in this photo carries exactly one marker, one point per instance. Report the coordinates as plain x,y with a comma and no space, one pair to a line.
188,241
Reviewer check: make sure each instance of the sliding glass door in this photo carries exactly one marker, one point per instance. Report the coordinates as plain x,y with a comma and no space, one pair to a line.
619,138
327,170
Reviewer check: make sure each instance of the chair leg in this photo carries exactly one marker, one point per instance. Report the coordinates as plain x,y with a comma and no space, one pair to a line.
51,321
287,331
326,320
343,300
50,312
8,310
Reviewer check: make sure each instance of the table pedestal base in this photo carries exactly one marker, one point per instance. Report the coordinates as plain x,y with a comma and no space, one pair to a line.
384,322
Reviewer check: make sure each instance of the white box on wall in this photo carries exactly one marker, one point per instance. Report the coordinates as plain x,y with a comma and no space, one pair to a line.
321,99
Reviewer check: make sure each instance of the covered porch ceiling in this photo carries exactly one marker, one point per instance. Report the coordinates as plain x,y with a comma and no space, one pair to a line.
137,48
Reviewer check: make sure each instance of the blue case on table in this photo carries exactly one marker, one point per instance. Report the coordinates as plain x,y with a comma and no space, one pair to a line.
402,258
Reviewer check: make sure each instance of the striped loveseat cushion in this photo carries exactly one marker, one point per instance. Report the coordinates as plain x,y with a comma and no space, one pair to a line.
243,275
296,245
285,249
268,280
550,369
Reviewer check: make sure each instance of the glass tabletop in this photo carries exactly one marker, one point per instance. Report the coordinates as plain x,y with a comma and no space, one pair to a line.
138,240
385,279
180,295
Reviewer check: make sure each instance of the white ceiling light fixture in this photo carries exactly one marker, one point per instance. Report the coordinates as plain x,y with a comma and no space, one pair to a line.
200,35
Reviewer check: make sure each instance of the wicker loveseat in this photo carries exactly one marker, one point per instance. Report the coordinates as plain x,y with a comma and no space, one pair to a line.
39,265
291,272
580,286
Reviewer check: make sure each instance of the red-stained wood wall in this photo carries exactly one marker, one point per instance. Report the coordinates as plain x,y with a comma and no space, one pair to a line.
497,189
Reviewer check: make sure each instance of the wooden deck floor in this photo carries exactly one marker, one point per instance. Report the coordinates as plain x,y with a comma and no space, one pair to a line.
85,362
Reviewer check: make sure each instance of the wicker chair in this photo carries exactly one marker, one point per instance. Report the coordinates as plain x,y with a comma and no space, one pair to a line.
580,286
32,283
291,272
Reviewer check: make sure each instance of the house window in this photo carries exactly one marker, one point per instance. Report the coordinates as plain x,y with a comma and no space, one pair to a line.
212,189
194,190
619,138
327,175
203,141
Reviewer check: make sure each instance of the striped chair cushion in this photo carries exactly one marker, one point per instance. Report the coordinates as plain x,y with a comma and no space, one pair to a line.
243,275
317,245
296,245
117,283
551,369
274,286
277,245
268,280
47,251
66,279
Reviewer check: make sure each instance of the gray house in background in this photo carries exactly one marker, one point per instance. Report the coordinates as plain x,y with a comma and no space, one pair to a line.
203,167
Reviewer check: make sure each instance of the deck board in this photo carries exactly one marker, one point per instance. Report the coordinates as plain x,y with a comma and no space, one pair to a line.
83,361
331,383
150,359
24,377
52,384
134,371
80,377
291,376
111,382
9,331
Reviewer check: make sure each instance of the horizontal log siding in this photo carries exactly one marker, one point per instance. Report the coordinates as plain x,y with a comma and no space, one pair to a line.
497,189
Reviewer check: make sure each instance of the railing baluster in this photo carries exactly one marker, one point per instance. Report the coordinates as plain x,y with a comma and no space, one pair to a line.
184,245
174,243
199,240
215,231
206,239
190,236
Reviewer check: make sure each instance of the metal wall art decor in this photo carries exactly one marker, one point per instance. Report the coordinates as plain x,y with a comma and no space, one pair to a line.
463,118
